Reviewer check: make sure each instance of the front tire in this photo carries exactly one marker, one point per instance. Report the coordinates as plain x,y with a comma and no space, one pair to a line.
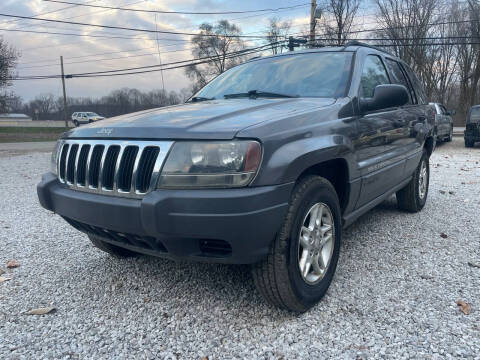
469,143
111,249
76,123
413,196
303,257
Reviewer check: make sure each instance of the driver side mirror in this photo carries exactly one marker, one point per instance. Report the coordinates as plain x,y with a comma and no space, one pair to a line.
384,97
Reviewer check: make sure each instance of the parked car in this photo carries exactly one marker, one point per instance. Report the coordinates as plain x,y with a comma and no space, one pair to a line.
266,165
444,122
472,128
85,118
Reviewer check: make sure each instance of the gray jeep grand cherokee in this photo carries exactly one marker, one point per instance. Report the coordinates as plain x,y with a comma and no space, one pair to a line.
265,166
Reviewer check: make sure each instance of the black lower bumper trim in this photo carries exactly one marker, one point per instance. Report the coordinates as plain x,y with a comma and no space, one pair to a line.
217,225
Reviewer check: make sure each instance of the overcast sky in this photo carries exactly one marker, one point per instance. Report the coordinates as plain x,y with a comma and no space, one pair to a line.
40,52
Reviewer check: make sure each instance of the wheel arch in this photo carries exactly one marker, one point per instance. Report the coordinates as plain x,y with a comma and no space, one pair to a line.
429,145
336,172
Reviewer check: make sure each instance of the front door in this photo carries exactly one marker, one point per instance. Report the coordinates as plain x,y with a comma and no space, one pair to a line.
383,135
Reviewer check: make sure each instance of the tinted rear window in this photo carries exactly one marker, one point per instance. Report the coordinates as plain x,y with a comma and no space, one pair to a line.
417,85
398,77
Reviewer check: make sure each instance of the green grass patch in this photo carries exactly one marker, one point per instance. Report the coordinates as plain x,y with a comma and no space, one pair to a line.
22,134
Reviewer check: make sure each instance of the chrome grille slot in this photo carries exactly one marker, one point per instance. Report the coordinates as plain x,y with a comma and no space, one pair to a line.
145,167
82,165
123,168
63,162
109,166
72,158
94,166
125,172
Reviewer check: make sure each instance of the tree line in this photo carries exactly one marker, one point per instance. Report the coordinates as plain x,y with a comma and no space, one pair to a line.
118,102
439,40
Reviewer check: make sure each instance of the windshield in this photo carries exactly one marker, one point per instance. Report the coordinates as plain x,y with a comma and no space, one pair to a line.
474,115
306,75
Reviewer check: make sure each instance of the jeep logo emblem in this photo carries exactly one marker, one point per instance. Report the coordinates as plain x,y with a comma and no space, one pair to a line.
105,131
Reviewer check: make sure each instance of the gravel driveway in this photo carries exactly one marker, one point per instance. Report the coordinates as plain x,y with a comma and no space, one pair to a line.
394,293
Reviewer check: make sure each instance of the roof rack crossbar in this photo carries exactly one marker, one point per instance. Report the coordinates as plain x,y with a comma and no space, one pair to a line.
359,43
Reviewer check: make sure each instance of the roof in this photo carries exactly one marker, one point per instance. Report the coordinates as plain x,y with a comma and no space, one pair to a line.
353,45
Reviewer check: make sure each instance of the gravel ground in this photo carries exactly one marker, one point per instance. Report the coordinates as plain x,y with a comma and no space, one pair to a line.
394,293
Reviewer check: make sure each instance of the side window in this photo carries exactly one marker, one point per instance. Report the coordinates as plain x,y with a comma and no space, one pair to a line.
373,74
444,111
398,77
417,85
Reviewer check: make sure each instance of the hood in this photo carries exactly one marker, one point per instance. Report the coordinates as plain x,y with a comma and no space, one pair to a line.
215,119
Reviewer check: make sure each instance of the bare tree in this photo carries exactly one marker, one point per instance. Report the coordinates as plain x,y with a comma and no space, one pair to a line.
184,94
118,102
8,61
444,59
337,20
276,32
225,41
406,24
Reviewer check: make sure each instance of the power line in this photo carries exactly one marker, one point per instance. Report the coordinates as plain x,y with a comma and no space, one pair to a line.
128,28
45,13
116,72
86,35
106,59
178,12
97,54
231,55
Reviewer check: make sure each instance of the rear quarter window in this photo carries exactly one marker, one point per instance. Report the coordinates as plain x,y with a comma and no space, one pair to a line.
398,77
417,85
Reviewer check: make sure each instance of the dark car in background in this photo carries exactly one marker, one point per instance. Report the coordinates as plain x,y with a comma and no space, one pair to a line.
444,122
472,128
264,166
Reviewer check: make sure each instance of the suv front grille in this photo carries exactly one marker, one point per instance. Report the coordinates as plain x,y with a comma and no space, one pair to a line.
111,167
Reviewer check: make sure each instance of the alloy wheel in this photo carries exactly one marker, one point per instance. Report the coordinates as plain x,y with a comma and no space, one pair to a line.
316,243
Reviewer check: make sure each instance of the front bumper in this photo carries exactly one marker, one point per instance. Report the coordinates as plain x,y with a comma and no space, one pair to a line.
215,225
472,135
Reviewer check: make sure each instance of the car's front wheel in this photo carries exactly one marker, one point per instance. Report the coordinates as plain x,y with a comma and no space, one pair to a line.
76,123
469,143
303,257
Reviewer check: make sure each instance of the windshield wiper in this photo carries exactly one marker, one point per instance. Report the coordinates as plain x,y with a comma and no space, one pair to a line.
257,93
200,98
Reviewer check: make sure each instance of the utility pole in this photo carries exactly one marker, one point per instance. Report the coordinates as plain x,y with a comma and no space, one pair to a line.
64,94
313,21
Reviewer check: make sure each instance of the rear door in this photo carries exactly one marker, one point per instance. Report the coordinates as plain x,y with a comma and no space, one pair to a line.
383,136
424,122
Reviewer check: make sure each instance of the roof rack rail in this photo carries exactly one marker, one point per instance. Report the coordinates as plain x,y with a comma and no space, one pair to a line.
359,43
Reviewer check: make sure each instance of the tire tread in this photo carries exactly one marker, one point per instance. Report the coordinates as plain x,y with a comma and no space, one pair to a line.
271,275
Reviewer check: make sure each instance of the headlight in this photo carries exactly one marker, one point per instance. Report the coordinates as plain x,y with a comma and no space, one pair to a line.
211,164
54,157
